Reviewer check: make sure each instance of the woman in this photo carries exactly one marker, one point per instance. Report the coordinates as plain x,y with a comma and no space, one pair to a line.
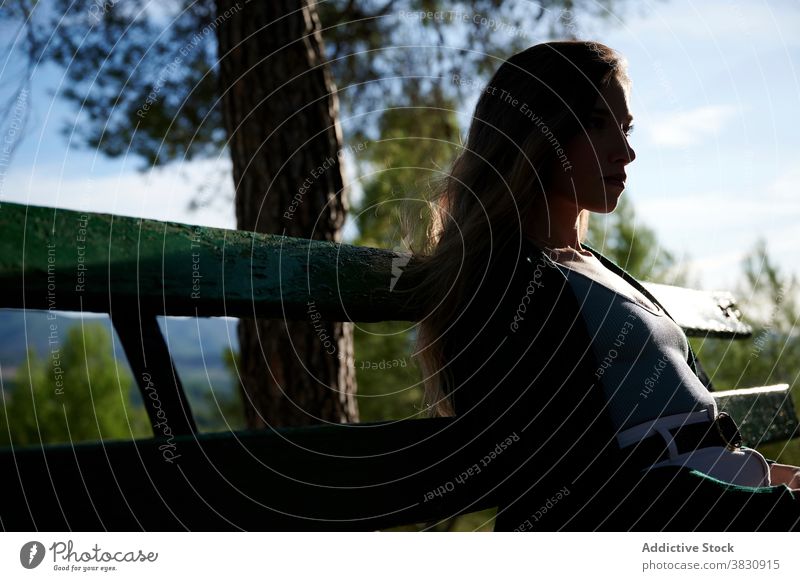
535,339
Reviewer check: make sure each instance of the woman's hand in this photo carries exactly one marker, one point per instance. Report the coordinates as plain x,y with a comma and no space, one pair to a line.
785,474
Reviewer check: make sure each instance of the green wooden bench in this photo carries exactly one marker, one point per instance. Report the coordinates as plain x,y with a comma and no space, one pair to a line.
328,477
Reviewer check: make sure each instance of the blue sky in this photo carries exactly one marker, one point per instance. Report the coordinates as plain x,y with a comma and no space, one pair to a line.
716,99
716,95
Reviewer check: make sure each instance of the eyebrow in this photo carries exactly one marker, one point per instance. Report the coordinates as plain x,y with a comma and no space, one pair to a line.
607,113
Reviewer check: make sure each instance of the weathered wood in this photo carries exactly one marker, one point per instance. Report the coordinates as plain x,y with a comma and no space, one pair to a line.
335,477
73,261
152,366
702,313
328,477
764,414
178,269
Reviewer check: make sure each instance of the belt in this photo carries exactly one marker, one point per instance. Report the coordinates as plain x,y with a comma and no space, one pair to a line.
723,431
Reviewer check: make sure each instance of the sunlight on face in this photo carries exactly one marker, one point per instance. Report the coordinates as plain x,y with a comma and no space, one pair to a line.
598,155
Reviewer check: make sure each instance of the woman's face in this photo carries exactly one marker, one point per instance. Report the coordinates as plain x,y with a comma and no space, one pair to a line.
594,176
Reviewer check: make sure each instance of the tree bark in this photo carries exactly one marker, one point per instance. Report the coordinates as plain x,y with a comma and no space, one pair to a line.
281,115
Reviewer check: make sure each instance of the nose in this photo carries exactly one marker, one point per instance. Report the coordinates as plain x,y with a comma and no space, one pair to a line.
623,153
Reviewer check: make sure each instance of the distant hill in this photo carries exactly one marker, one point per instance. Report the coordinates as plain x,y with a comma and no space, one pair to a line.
196,345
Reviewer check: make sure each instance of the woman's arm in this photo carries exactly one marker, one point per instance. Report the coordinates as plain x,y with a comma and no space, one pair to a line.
785,474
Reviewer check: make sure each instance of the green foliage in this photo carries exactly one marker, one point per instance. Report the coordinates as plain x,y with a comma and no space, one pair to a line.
772,354
145,81
767,299
414,148
221,411
77,392
389,380
415,145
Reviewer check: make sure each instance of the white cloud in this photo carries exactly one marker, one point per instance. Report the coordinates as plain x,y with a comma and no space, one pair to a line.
714,229
690,127
745,23
160,194
785,188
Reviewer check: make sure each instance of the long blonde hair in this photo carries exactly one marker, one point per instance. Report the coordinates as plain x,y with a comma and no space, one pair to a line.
536,102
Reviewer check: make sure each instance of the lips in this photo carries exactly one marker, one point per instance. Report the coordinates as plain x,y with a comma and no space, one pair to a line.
617,179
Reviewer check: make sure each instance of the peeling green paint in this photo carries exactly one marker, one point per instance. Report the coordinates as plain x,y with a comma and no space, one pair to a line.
101,261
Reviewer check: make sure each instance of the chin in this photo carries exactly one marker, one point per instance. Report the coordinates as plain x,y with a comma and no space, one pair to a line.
605,207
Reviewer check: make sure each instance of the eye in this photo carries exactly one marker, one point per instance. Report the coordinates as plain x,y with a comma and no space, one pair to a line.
595,123
629,130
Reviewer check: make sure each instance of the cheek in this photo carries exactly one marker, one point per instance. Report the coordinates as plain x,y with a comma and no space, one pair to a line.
583,171
583,157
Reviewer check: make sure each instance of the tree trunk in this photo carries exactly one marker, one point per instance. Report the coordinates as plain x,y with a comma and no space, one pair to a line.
281,114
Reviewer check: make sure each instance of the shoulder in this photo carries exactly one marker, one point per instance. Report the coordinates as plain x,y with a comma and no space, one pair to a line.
541,293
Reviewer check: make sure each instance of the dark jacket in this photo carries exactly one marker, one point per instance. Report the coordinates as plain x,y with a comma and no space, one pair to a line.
524,368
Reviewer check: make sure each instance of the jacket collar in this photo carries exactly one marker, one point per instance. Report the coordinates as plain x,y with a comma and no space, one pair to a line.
615,268
629,278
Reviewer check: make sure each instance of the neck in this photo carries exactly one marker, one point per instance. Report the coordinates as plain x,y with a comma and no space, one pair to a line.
554,222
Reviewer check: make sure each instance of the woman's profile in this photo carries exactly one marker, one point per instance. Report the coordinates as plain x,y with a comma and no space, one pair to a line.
541,342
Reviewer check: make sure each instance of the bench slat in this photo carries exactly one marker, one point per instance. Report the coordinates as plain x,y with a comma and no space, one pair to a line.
329,477
73,261
97,261
363,477
702,313
764,414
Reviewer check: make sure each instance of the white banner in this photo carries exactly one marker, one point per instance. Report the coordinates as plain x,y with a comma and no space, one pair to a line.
397,555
